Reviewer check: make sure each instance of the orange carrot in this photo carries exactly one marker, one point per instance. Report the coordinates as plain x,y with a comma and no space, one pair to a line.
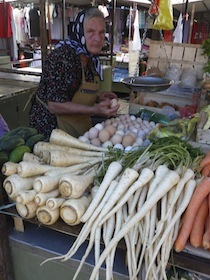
206,236
201,192
204,161
197,232
205,171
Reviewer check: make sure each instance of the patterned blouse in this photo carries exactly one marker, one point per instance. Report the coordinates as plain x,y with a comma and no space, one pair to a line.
61,78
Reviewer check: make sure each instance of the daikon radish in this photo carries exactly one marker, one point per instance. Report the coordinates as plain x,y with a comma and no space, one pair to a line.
72,209
13,184
39,147
29,169
44,184
73,186
63,159
62,138
45,156
55,202
28,210
41,198
9,168
25,197
31,158
47,216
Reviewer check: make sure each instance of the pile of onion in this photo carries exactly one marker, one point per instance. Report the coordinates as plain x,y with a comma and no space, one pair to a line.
122,132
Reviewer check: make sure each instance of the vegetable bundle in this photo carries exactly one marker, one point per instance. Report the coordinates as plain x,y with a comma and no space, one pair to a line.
138,196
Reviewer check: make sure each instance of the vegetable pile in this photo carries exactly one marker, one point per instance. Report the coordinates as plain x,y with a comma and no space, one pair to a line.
16,142
195,226
138,196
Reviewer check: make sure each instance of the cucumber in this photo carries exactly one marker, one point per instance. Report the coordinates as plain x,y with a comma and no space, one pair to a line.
16,154
8,143
31,141
22,131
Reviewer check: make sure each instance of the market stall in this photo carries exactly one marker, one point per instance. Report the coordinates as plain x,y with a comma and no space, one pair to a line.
42,235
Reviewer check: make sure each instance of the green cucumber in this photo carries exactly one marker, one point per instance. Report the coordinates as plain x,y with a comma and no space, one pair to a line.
31,141
8,143
16,155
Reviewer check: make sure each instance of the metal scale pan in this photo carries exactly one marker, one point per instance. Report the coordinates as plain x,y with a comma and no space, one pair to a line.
147,83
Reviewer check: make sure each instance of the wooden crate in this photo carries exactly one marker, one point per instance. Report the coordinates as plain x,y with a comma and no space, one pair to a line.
163,54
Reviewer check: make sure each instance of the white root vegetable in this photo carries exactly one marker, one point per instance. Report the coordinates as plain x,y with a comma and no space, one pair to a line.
63,159
55,202
39,147
62,138
47,216
29,169
31,158
171,180
25,197
27,211
145,176
72,209
87,227
44,184
112,172
73,186
9,168
13,184
41,198
189,189
76,168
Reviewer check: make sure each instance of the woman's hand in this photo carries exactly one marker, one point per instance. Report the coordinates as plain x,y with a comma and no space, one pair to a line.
107,95
104,109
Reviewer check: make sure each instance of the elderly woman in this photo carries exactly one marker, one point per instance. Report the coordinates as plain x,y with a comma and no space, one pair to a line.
68,93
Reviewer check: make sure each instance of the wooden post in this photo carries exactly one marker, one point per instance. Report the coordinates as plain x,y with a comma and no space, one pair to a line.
191,23
6,267
43,33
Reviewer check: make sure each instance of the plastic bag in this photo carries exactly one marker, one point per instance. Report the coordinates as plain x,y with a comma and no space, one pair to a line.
164,19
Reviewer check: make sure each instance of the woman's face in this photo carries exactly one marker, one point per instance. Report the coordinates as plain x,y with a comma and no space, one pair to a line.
94,31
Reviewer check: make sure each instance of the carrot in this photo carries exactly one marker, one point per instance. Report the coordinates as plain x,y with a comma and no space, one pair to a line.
62,138
204,161
206,235
201,192
197,231
205,171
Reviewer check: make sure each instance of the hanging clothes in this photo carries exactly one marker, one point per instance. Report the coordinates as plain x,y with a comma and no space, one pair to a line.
178,32
5,20
136,34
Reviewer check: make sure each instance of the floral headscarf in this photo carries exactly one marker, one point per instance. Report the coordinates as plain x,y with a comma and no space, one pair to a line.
77,41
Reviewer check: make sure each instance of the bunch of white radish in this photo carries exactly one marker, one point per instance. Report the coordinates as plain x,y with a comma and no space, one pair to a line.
122,132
